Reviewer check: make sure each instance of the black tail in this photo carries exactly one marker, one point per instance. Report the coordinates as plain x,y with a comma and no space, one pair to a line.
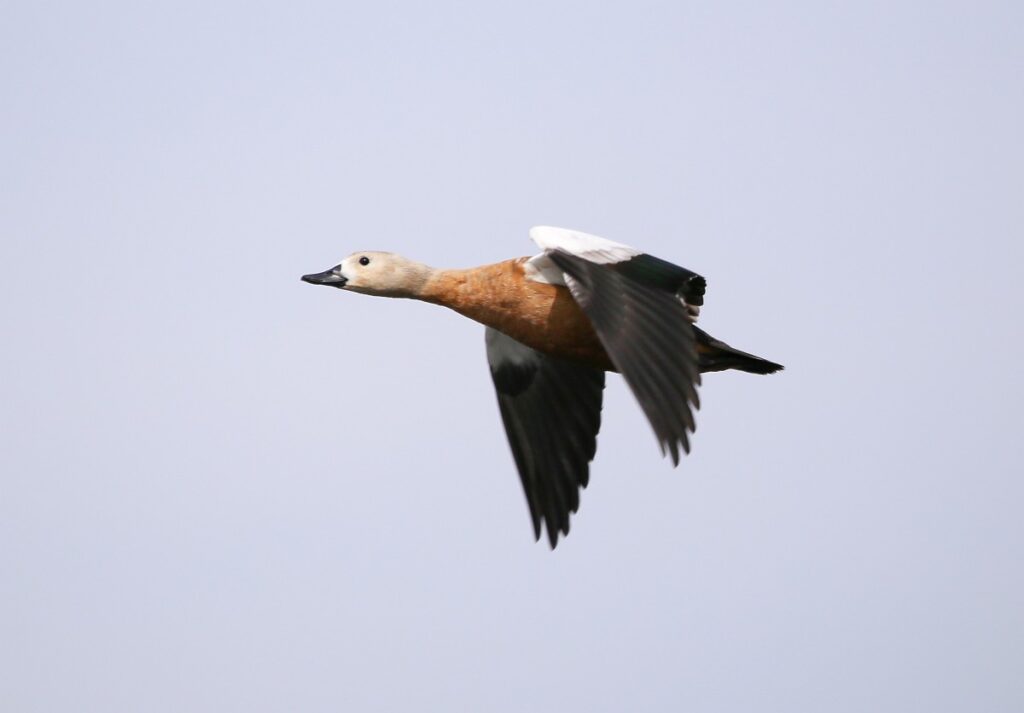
716,355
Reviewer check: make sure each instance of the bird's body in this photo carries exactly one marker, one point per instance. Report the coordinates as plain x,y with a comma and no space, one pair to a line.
556,322
542,316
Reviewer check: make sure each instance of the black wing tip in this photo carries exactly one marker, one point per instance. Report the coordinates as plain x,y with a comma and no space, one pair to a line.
550,530
671,449
554,533
553,538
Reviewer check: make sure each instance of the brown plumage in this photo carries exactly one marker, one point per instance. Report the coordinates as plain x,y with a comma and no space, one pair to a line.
541,316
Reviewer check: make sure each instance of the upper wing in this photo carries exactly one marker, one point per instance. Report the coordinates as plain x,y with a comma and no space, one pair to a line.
647,333
589,247
630,262
552,413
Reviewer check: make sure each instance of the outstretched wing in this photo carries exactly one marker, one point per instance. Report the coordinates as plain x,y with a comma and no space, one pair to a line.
552,413
642,308
646,269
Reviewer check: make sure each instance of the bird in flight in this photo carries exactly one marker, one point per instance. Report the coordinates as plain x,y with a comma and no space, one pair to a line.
555,323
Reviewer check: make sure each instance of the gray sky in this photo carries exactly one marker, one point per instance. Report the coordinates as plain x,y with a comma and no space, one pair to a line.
222,489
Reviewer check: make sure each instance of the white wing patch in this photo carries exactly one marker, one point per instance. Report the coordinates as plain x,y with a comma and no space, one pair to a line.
540,268
589,247
503,350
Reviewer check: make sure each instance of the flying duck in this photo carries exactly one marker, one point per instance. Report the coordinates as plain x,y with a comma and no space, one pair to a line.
555,323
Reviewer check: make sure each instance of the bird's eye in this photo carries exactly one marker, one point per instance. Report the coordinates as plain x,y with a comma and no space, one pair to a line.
364,260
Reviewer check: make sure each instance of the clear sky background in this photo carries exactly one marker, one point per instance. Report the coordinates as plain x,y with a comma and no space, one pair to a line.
223,490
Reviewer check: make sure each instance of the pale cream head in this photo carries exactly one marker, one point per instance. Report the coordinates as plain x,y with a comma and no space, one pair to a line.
376,273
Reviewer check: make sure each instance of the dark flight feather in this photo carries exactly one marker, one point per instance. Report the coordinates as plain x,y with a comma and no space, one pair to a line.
664,275
552,412
648,336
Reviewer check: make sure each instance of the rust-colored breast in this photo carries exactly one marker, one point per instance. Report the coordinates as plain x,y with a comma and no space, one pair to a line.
544,317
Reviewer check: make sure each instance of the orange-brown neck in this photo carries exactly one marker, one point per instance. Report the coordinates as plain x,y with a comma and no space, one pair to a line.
485,294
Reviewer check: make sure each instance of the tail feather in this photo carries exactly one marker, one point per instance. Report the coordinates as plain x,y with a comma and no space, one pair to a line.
716,355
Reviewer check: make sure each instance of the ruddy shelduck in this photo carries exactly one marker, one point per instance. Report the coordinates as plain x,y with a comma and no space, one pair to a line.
556,322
